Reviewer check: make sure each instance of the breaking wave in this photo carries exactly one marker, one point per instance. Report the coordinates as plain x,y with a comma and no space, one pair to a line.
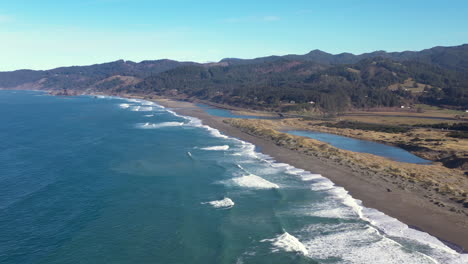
139,108
288,243
252,181
223,147
124,106
159,125
224,203
379,237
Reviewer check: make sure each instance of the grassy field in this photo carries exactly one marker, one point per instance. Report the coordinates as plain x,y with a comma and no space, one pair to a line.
409,85
384,118
254,113
433,110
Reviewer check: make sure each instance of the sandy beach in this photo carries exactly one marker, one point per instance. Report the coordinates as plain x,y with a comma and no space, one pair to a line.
404,205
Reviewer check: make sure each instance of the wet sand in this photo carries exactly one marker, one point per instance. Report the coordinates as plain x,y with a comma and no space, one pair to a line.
406,206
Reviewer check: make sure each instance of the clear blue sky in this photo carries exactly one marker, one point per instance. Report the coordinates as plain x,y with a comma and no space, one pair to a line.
43,34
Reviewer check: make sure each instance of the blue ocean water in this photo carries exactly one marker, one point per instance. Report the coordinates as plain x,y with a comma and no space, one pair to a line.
357,145
111,180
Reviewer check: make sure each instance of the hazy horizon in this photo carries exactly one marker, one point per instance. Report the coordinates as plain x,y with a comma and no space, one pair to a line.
202,62
48,34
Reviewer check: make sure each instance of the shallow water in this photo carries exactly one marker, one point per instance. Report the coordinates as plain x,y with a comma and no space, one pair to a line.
110,180
357,145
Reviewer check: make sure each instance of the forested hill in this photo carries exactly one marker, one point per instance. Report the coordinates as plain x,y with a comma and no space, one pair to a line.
449,57
437,76
372,82
88,77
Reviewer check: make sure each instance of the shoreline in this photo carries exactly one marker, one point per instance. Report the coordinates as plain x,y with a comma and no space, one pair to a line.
405,206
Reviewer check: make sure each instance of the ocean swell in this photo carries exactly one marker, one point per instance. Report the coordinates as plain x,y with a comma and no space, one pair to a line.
386,230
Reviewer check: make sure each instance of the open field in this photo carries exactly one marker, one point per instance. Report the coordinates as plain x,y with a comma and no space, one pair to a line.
395,120
427,112
254,113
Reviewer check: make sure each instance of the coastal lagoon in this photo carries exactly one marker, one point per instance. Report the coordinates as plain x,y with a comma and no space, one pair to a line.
110,180
358,145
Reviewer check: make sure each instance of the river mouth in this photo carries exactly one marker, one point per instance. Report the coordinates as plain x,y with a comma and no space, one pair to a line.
364,146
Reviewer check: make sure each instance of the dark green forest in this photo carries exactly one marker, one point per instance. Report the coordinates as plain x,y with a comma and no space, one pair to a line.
317,80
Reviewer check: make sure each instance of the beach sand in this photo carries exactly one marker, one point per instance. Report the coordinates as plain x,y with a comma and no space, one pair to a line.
404,205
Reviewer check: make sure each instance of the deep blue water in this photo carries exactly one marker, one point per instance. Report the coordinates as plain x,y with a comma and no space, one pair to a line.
227,113
109,180
364,146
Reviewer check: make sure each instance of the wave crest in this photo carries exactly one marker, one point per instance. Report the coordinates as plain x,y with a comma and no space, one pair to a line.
288,243
253,181
159,125
224,203
223,147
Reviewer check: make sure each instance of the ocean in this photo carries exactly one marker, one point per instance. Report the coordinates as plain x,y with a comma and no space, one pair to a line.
90,179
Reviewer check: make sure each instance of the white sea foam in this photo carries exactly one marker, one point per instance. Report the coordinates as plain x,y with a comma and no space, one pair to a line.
139,108
223,147
307,176
144,102
246,149
195,122
295,171
149,115
146,108
240,167
287,242
440,253
224,203
394,228
107,97
387,249
280,165
124,106
253,181
354,243
326,211
135,108
175,114
159,125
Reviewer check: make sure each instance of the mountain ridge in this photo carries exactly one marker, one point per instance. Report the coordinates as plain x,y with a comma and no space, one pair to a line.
437,76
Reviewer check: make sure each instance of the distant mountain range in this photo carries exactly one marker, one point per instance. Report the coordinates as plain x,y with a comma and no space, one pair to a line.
437,76
450,57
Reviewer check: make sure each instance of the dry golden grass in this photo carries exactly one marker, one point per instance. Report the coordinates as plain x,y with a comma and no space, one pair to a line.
392,120
254,113
436,141
436,177
409,84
